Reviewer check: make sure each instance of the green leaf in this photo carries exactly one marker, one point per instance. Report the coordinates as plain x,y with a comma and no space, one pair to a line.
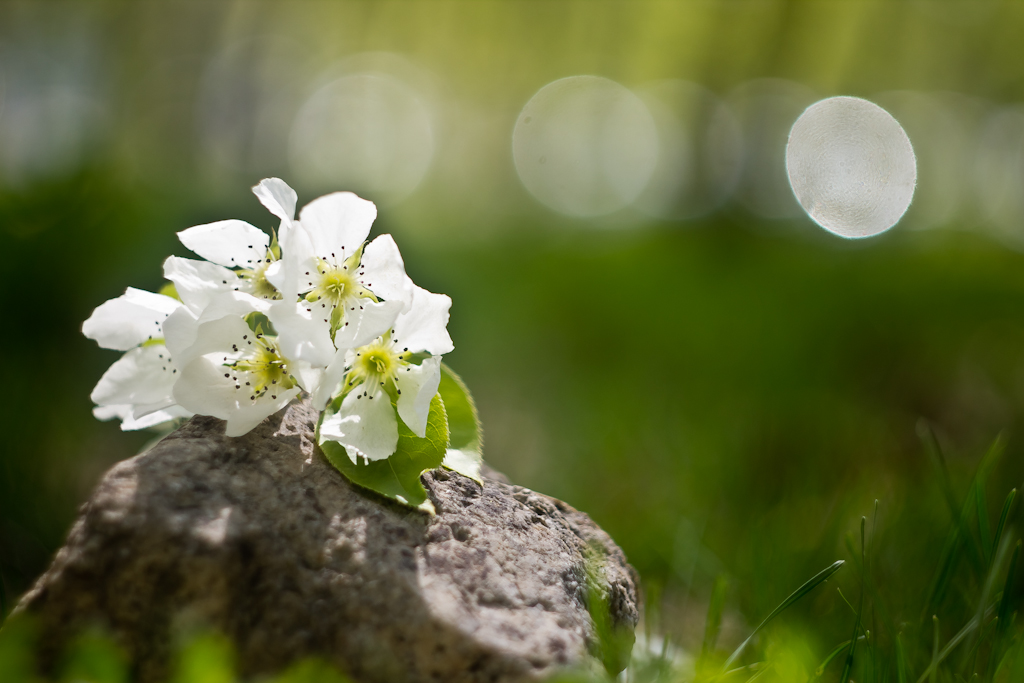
398,477
465,450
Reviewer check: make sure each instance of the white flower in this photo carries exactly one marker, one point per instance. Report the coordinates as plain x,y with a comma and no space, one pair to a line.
366,424
138,387
236,374
351,293
237,244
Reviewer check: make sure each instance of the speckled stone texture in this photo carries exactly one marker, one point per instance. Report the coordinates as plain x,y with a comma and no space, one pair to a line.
261,537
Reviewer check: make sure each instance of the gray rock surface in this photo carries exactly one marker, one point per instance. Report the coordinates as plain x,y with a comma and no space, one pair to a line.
262,538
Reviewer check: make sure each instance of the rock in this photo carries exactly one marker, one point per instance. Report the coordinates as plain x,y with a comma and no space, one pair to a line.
260,537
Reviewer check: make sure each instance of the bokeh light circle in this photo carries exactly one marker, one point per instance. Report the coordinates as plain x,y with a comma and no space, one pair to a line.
999,174
370,132
585,146
940,129
851,166
700,151
766,109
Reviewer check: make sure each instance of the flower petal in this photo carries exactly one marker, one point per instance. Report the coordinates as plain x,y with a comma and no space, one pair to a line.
330,380
279,199
198,282
129,320
364,321
230,243
181,327
418,384
224,339
204,390
110,412
384,271
290,274
179,330
303,331
362,324
365,426
142,376
337,223
306,375
424,326
238,304
133,421
129,422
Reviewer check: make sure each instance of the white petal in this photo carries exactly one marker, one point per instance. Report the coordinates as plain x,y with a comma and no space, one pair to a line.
418,384
142,376
238,304
362,325
384,271
129,320
289,273
129,422
279,199
303,331
365,427
330,381
337,223
132,423
308,376
110,412
198,282
204,390
179,330
219,338
139,411
364,321
243,420
230,243
424,326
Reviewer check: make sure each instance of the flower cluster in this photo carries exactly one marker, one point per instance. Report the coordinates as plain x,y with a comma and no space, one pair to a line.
240,333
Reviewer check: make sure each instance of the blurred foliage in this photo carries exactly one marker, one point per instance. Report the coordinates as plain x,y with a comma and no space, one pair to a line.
727,397
94,657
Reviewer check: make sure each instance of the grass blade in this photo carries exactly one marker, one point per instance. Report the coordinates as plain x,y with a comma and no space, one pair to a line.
939,656
832,655
1005,603
981,501
931,445
3,597
986,591
960,534
901,661
848,667
1007,507
800,592
713,624
1003,615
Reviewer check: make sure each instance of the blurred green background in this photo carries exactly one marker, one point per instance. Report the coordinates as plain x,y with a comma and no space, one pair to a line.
722,385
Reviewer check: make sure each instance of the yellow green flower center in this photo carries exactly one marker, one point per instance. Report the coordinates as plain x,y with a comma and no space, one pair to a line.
337,283
264,372
260,287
